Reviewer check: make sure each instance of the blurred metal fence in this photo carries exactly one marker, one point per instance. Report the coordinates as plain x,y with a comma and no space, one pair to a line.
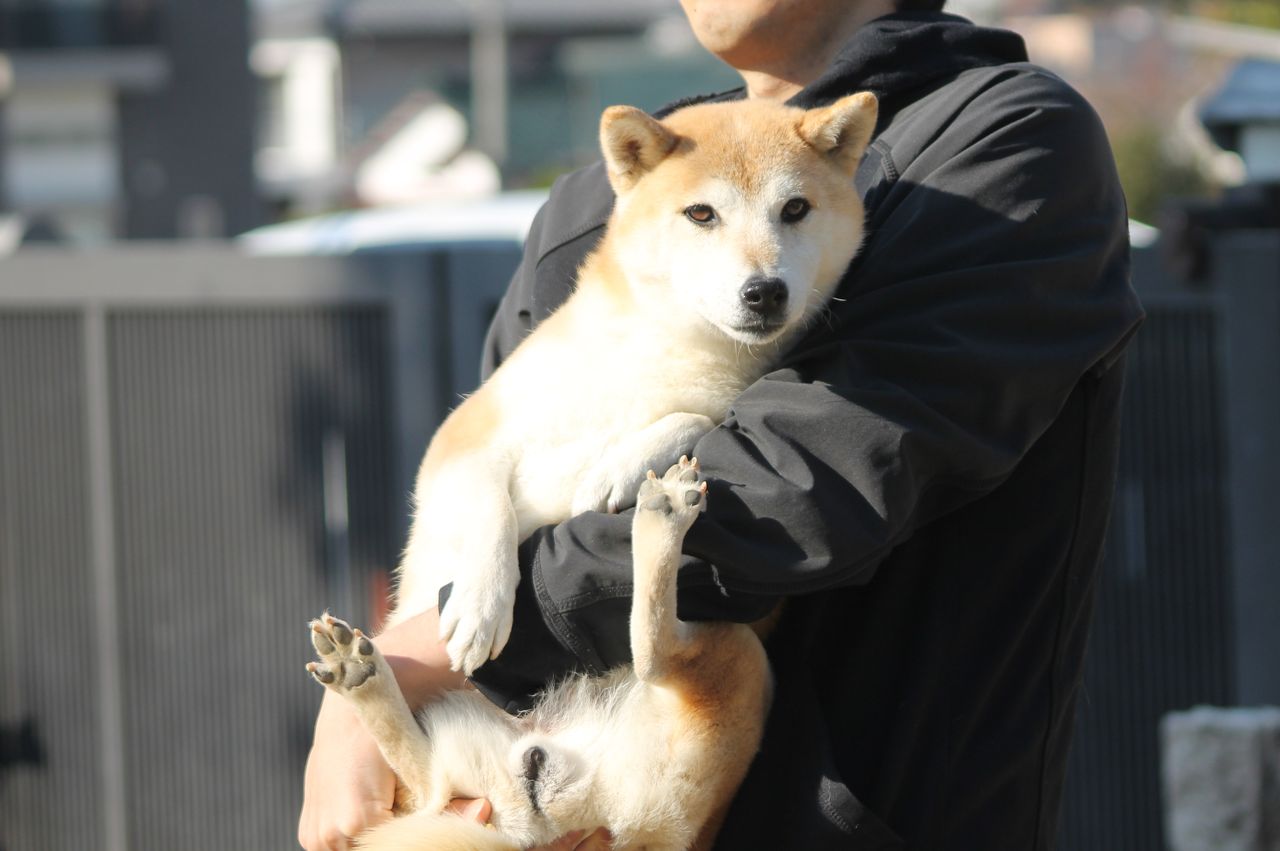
1189,591
199,451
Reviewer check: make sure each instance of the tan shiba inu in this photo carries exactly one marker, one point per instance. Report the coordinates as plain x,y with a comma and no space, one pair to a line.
733,224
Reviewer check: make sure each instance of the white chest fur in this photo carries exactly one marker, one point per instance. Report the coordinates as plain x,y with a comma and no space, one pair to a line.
583,402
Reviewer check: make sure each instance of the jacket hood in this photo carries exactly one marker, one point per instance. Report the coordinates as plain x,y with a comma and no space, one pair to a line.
898,55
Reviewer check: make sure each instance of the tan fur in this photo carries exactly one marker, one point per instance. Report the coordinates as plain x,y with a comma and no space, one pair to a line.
646,355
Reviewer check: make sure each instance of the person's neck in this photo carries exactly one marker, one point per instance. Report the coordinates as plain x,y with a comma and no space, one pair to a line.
783,80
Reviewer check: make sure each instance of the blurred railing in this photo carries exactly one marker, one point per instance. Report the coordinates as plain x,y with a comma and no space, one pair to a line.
176,425
199,451
1188,591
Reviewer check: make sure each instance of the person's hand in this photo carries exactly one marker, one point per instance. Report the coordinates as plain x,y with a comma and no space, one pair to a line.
479,810
348,787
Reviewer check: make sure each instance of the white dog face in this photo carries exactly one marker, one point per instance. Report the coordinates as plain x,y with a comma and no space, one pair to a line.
737,220
747,262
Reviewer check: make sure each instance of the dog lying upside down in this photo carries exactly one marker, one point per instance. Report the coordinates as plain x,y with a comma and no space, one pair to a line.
732,226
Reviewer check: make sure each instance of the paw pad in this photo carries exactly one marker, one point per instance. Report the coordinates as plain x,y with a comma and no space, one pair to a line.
658,502
679,488
346,655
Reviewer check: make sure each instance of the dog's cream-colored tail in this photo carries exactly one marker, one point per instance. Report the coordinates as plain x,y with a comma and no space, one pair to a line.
426,831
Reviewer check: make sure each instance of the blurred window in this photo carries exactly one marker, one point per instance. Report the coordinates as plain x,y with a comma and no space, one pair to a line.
56,24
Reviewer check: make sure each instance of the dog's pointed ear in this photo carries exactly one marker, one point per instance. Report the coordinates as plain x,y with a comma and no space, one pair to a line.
843,129
633,143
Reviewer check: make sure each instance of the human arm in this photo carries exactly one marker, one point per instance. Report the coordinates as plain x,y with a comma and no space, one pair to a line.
348,786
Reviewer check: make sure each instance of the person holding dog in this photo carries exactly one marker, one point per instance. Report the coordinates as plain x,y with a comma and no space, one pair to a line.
924,480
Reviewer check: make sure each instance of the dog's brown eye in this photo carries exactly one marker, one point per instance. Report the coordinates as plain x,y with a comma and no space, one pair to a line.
795,210
700,214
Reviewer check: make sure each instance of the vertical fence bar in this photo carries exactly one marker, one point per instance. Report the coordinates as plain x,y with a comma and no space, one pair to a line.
489,77
337,521
1247,271
102,554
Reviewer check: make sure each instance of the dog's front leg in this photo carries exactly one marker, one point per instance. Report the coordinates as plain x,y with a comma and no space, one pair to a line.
611,484
476,519
351,666
465,531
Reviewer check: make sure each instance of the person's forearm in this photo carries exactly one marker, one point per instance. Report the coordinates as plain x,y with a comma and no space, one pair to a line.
417,657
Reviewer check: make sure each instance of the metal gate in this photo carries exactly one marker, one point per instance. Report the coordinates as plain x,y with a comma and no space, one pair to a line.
1187,599
198,452
1160,638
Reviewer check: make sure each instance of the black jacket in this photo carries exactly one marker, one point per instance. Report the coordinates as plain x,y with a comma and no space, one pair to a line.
926,476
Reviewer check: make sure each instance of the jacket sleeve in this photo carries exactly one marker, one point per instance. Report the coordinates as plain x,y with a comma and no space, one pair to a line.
562,235
993,278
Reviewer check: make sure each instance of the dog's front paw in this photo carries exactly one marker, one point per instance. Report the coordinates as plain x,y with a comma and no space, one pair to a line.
476,622
676,498
348,659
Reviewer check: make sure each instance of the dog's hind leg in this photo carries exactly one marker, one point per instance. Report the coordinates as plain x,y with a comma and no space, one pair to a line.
351,665
716,672
665,509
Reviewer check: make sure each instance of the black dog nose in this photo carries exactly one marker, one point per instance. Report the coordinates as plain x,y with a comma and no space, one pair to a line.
765,296
534,758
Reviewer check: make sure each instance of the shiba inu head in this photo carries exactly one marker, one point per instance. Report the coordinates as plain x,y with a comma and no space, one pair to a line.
739,217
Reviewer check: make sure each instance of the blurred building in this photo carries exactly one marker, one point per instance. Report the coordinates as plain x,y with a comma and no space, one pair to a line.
127,118
454,97
159,119
1145,69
